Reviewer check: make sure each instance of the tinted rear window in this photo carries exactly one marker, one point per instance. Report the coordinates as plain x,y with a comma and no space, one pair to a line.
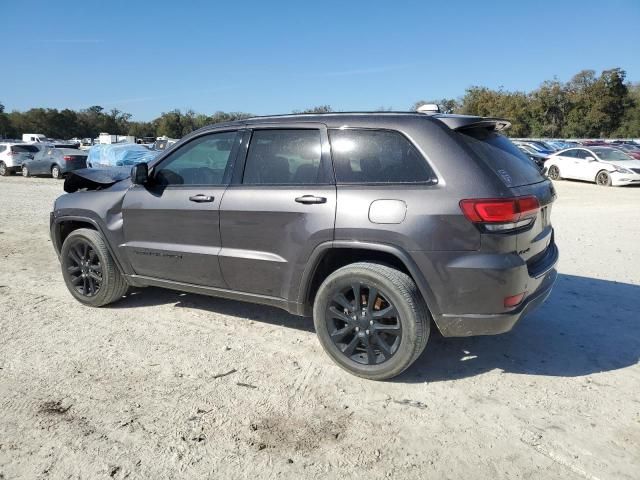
24,148
376,156
501,156
283,157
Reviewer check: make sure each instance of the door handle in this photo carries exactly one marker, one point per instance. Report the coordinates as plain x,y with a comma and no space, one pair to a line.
201,198
310,199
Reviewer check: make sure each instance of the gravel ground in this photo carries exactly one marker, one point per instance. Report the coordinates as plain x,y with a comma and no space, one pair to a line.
170,385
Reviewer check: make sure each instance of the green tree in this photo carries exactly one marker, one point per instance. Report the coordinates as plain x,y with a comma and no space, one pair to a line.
316,109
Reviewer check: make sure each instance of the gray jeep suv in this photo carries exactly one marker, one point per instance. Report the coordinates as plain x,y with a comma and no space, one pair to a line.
380,225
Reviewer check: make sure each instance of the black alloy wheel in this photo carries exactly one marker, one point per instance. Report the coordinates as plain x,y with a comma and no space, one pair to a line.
84,268
363,324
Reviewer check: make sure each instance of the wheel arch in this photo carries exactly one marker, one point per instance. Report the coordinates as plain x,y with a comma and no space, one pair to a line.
330,256
62,226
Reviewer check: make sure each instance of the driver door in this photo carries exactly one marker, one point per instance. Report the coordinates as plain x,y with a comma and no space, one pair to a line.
172,224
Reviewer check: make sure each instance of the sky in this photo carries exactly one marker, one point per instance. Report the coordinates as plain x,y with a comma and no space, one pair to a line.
269,57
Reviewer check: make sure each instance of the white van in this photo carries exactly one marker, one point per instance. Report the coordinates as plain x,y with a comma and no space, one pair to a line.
33,137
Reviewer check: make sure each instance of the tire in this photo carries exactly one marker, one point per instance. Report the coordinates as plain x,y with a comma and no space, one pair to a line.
25,171
55,172
4,170
111,285
404,334
554,172
603,178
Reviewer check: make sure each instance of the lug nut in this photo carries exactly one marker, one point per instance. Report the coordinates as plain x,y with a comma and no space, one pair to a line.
357,329
370,322
367,332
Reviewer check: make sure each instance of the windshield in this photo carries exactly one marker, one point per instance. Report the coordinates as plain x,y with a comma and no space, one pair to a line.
611,154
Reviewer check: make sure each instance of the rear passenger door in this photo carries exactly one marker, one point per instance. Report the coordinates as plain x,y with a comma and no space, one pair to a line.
279,207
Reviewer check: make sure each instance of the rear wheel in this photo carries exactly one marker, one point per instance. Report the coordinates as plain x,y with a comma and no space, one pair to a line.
4,170
603,178
88,269
55,172
25,171
554,172
371,320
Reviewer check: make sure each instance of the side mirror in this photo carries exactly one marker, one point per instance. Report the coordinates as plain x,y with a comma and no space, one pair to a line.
590,159
140,173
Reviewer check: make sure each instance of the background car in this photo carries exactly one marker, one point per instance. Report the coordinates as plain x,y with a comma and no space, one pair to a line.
605,166
53,161
12,156
534,156
629,149
536,146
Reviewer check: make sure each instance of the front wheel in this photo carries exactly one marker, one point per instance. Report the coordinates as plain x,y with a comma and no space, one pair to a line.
88,269
554,172
371,320
55,172
603,178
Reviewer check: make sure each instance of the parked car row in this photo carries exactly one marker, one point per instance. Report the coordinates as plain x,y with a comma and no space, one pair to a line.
32,159
613,163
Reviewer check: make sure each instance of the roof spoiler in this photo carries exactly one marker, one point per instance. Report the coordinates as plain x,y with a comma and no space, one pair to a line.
464,122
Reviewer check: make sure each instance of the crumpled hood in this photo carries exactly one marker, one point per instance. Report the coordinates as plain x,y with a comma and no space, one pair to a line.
95,178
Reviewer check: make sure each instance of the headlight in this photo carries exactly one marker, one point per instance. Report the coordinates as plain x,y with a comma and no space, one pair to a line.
623,170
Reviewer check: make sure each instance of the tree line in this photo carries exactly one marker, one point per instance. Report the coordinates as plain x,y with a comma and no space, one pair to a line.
587,106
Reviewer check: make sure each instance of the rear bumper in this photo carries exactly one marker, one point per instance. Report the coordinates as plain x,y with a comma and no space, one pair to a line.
468,325
475,305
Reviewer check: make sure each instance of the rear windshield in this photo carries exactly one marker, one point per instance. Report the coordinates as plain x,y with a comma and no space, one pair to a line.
501,156
24,148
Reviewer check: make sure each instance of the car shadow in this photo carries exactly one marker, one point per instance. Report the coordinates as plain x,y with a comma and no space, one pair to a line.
586,326
243,311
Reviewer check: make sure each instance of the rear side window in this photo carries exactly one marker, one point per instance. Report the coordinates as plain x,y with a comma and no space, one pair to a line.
376,156
24,149
503,157
283,157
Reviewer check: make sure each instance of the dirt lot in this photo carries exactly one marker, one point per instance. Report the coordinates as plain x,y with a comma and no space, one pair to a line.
170,385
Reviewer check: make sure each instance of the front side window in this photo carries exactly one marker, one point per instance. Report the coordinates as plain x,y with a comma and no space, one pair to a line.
283,157
376,156
202,161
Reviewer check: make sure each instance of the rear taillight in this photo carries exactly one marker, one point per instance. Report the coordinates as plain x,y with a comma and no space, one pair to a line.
501,214
67,158
514,300
13,153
